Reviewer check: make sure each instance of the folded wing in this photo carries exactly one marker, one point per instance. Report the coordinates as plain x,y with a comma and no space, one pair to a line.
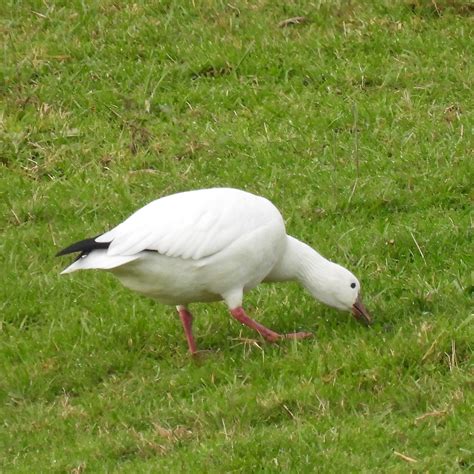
191,225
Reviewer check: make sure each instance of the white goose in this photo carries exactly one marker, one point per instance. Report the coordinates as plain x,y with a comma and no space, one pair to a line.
214,244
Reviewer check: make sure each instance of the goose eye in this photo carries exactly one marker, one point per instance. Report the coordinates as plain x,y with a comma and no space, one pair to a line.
353,285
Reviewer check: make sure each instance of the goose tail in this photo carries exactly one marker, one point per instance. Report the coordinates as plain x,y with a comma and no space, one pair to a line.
93,255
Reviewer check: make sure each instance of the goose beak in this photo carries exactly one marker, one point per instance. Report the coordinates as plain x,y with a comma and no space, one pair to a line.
360,312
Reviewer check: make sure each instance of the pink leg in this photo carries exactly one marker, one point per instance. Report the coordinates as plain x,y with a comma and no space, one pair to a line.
187,320
268,334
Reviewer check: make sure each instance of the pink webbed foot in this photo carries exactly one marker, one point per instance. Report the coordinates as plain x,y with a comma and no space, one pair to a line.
268,334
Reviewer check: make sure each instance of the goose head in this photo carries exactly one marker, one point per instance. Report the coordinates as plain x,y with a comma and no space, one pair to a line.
341,290
328,282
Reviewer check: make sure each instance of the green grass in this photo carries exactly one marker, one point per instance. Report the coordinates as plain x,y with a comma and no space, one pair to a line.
357,124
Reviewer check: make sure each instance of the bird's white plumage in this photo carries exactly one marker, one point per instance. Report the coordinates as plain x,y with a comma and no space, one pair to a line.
206,245
99,259
191,225
213,244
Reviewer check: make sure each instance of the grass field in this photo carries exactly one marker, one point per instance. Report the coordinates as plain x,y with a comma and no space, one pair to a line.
356,123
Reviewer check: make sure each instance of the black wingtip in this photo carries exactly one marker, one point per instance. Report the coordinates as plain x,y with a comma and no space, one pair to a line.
84,246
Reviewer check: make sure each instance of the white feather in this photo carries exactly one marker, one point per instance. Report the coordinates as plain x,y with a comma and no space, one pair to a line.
98,259
214,244
193,224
